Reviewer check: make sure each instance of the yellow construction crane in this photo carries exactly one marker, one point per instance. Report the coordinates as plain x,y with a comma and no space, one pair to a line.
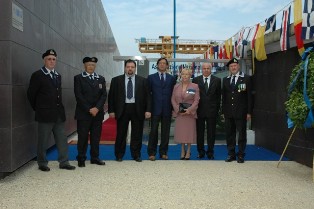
164,46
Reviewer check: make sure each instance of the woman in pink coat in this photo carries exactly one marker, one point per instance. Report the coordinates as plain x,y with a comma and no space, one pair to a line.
185,124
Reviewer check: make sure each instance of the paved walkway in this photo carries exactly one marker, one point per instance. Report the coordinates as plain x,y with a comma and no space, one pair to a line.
161,185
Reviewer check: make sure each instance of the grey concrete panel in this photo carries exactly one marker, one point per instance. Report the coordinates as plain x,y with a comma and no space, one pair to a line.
5,19
5,62
24,144
25,62
22,113
5,150
5,106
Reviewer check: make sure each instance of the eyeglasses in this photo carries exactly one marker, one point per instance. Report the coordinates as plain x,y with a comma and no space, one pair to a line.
53,59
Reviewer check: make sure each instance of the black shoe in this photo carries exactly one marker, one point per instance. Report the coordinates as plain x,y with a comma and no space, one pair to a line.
183,157
230,158
81,163
119,159
97,162
138,159
163,157
240,159
187,158
67,167
201,155
44,168
210,157
152,158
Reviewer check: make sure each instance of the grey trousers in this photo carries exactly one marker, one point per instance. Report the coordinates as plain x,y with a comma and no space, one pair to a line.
44,133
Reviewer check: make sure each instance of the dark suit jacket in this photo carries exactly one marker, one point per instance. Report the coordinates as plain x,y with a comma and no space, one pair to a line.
45,96
161,94
116,97
237,103
209,102
89,93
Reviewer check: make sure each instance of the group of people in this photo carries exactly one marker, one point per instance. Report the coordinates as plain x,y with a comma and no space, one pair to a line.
194,104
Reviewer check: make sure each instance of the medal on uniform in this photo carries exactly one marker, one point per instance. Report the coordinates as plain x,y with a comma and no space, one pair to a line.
241,87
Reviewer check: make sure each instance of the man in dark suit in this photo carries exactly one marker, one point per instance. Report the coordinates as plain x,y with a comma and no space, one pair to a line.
90,93
207,111
45,96
161,85
237,109
129,100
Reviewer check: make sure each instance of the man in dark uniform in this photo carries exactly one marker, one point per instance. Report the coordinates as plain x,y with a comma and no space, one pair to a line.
129,100
44,95
90,93
207,111
237,109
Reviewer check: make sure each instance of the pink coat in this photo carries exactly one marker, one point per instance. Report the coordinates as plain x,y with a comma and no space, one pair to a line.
191,96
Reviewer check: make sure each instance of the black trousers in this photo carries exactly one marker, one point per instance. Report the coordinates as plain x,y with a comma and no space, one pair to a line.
232,126
128,115
85,127
153,136
211,135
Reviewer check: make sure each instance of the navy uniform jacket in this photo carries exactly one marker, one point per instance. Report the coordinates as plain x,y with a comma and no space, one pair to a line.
116,97
237,103
161,94
89,93
45,96
209,102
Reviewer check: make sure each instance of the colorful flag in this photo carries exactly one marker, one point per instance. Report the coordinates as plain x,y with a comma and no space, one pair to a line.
298,25
221,51
260,52
270,24
216,51
206,55
308,20
228,49
252,34
238,42
285,28
244,44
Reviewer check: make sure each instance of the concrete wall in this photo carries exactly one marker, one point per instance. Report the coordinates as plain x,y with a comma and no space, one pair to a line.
271,80
75,29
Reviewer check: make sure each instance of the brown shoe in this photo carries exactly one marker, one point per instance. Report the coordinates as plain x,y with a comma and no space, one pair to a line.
152,158
164,157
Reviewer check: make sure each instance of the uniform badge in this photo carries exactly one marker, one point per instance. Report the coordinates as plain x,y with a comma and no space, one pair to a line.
100,86
241,87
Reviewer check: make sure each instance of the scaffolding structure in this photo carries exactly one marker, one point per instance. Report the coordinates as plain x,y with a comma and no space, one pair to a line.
165,45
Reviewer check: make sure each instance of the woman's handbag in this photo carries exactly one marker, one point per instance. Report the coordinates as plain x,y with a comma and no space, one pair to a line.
183,106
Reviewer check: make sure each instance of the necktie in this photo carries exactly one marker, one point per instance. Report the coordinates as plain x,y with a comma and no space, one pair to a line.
206,85
91,77
129,94
162,77
233,82
53,76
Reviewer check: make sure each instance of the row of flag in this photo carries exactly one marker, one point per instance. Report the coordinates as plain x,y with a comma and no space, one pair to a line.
236,46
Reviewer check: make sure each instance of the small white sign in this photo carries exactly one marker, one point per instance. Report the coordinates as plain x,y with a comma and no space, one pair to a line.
17,17
141,62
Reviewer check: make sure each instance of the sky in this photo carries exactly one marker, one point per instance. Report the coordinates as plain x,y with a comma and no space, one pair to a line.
195,19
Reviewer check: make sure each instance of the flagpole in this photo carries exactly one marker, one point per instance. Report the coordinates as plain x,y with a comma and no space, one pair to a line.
174,35
286,146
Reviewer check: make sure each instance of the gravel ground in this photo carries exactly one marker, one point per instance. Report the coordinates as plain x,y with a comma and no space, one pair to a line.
161,185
